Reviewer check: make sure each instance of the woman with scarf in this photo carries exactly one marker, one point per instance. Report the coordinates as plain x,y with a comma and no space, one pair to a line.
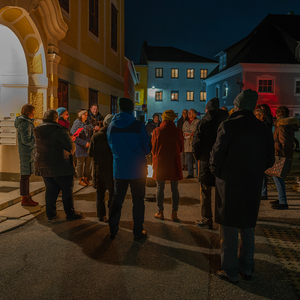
83,133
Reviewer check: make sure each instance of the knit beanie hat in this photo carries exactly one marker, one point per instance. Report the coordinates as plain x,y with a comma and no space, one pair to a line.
246,100
125,104
108,119
213,103
61,110
169,115
81,113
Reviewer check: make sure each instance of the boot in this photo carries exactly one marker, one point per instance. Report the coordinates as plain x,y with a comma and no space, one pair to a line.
82,182
85,179
160,215
174,216
36,203
26,201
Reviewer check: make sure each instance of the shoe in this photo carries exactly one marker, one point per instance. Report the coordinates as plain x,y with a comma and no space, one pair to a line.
222,274
113,233
189,176
82,182
85,179
280,206
246,277
103,219
160,215
75,216
264,198
203,225
53,218
174,216
26,201
274,202
36,203
141,236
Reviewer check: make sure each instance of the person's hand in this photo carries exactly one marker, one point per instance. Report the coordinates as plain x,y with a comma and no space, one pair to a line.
87,145
97,128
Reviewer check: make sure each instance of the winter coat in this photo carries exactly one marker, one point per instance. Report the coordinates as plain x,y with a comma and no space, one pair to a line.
189,128
203,141
129,143
150,126
102,160
54,149
83,138
243,150
284,135
94,120
26,144
181,121
167,144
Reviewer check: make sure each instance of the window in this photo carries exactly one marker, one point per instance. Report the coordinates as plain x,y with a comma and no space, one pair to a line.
174,96
297,89
138,75
64,4
174,73
62,94
189,96
222,61
265,85
94,17
203,73
202,96
137,96
225,89
93,97
159,72
218,91
190,73
113,105
114,28
158,96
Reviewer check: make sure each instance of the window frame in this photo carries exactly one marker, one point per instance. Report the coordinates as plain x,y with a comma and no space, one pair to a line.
114,28
174,77
225,90
156,73
187,73
204,94
217,88
297,80
267,78
139,95
94,13
61,101
192,94
175,93
93,94
161,95
203,71
113,105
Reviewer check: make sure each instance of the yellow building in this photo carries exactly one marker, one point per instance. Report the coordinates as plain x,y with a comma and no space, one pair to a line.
141,91
58,53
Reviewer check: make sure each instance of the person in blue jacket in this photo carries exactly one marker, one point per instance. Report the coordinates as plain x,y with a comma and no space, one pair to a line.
129,143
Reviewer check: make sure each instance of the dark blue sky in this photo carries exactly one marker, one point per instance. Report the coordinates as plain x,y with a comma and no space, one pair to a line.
201,27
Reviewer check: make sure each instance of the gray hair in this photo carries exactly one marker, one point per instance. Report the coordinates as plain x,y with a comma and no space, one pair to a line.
51,115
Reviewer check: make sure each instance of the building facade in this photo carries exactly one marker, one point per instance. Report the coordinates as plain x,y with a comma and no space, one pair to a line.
59,53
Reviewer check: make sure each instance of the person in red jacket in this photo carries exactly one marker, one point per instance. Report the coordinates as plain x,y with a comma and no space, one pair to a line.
167,144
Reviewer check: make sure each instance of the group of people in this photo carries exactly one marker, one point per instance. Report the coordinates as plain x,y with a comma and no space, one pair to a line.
232,153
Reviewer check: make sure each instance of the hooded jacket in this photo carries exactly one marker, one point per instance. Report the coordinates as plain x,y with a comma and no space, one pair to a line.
26,144
129,143
54,149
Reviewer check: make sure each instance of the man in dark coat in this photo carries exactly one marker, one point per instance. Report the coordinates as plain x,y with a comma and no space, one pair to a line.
243,150
95,119
152,124
204,139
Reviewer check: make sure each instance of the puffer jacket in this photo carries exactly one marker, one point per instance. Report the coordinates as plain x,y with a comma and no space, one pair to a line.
26,144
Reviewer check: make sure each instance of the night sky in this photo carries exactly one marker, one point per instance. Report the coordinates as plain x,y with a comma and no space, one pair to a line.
201,27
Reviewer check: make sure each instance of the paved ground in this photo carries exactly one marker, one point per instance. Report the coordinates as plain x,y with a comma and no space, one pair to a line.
77,260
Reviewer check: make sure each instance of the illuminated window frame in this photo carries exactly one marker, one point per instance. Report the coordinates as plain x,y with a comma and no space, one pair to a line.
202,96
159,72
174,96
266,85
203,73
190,96
190,73
137,96
174,73
159,96
225,90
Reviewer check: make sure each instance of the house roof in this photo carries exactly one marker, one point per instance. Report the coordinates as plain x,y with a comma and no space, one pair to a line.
274,41
170,54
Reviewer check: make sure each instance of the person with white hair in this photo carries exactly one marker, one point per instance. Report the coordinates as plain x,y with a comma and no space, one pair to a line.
102,168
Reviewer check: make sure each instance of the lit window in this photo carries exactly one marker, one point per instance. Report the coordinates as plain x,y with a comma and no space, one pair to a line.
203,73
190,73
174,96
114,28
202,96
297,90
265,85
189,96
64,4
94,17
174,73
225,89
137,96
159,72
158,96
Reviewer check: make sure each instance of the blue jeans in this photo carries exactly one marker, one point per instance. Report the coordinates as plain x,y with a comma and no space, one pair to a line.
280,185
138,210
232,262
190,163
53,187
264,189
160,195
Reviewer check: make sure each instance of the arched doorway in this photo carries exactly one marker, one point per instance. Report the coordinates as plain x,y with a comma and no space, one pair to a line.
13,74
